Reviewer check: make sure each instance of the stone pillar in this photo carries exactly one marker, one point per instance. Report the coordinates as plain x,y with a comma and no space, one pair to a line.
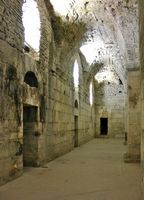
141,47
142,123
133,117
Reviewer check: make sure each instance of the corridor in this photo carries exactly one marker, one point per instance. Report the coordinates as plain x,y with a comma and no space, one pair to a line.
94,171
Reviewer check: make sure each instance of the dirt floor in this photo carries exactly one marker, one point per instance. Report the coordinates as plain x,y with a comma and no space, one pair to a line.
94,171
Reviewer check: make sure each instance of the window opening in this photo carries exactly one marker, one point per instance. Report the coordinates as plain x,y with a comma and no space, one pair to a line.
31,23
76,74
31,79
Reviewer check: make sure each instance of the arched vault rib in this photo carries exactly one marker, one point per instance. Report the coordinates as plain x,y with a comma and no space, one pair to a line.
94,68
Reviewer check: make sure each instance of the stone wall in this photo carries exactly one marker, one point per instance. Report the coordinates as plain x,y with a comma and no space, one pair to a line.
11,28
85,110
37,123
109,103
141,43
133,117
11,43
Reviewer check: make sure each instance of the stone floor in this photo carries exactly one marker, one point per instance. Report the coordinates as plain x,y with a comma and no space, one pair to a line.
94,171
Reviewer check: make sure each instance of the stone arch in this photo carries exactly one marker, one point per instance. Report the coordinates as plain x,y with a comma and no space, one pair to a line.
31,79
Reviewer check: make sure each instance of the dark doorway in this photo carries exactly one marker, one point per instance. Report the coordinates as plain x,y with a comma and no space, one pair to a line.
103,126
75,131
30,141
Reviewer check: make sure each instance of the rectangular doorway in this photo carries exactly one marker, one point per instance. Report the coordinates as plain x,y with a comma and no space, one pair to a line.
103,126
75,131
30,142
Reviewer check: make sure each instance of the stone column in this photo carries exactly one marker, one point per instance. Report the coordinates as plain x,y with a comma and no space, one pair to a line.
133,117
141,47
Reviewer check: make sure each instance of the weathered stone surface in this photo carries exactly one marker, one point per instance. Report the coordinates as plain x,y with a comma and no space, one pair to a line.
109,103
39,117
36,123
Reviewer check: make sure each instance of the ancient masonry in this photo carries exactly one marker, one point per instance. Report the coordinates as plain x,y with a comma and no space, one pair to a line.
42,114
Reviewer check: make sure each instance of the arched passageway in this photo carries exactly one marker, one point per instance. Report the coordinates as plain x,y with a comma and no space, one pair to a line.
83,40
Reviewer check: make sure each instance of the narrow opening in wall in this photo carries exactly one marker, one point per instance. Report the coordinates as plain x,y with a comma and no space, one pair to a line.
76,74
31,79
75,131
31,23
76,103
30,146
103,126
91,94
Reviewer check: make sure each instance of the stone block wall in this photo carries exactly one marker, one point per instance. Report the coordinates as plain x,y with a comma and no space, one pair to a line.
133,117
60,116
85,111
109,103
11,43
141,50
11,28
86,123
51,134
61,111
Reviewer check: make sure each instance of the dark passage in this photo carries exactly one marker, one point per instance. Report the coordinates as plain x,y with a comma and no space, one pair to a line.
30,114
76,131
30,141
103,126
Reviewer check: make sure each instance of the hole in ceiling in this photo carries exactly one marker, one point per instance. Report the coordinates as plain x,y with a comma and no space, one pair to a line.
92,50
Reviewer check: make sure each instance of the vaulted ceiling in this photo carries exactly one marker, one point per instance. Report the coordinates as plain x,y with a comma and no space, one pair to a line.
112,31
